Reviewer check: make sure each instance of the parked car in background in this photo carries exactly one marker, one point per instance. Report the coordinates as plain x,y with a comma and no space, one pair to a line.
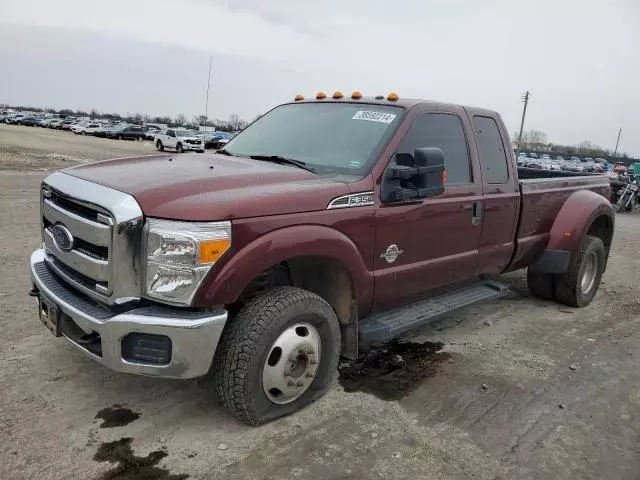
129,132
29,121
213,139
179,139
86,129
14,119
522,160
151,132
104,130
559,158
54,123
545,156
533,155
67,123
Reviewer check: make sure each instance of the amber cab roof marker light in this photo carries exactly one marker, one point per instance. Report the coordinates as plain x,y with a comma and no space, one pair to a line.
337,94
298,98
356,95
393,97
321,96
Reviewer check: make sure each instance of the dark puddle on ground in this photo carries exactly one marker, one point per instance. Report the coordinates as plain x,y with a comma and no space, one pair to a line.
131,467
390,371
116,416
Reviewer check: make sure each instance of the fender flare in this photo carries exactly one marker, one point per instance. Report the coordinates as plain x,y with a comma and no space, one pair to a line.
572,223
224,285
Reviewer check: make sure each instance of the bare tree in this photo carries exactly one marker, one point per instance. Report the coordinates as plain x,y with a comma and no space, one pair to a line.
94,113
180,119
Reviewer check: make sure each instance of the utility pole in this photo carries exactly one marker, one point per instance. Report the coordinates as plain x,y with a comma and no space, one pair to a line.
206,105
617,143
525,99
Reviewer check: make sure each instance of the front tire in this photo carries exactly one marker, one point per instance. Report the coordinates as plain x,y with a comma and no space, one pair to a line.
159,146
179,148
139,139
83,133
277,355
119,137
578,286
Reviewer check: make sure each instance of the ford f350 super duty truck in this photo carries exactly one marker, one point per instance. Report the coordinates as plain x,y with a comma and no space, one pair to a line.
327,223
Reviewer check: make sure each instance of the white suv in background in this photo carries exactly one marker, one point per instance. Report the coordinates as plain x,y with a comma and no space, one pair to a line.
179,139
86,129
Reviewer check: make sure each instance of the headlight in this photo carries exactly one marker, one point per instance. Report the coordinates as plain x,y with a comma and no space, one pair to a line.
179,255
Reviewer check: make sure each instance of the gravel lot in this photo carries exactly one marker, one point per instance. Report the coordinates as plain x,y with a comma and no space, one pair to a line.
522,389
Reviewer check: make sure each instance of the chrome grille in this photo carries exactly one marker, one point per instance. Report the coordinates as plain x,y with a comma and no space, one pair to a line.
105,224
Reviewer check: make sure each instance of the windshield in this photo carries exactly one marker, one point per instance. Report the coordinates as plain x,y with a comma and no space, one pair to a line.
183,133
330,137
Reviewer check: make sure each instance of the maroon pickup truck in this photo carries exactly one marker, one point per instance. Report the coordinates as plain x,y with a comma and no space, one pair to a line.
325,225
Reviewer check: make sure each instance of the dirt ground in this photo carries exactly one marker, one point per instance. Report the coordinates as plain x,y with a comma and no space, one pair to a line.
513,389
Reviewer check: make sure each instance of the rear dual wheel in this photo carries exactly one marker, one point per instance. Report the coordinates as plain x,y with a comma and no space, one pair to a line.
277,355
578,286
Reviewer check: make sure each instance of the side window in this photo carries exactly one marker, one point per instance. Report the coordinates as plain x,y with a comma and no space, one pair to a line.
444,131
170,133
492,154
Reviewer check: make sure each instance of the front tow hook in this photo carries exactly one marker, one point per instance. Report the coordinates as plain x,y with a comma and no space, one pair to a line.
34,292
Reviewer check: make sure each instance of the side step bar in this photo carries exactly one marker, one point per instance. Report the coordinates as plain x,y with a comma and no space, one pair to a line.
383,326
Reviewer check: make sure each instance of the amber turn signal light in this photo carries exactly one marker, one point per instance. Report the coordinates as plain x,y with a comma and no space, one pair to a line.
212,250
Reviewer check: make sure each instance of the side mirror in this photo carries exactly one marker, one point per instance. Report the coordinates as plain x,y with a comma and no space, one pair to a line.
411,177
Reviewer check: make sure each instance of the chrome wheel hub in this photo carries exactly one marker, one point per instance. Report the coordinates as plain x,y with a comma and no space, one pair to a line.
292,363
589,273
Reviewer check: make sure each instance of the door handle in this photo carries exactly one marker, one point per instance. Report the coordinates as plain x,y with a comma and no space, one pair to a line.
476,212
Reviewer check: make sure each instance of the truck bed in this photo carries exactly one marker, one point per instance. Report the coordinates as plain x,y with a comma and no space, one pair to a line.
542,199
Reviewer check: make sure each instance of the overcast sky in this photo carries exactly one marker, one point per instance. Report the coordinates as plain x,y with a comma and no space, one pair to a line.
579,58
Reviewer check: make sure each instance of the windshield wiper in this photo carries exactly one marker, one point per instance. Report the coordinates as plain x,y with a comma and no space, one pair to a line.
284,160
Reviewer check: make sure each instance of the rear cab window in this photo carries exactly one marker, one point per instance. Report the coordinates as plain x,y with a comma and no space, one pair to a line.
491,148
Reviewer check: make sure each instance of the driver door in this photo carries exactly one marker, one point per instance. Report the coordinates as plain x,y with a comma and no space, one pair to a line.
429,244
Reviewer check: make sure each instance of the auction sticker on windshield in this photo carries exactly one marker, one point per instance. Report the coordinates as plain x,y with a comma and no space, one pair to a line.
374,116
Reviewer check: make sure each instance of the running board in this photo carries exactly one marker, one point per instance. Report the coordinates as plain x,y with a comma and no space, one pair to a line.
383,326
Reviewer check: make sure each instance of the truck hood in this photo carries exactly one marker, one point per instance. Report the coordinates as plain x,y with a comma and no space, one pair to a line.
209,187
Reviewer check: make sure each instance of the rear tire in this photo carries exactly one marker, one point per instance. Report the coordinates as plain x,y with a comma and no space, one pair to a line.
139,138
83,133
540,285
159,146
578,286
249,359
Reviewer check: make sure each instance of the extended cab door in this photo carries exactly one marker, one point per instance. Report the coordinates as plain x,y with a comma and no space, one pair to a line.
500,190
429,244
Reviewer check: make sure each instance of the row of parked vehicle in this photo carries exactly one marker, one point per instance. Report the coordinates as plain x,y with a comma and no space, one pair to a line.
572,164
177,138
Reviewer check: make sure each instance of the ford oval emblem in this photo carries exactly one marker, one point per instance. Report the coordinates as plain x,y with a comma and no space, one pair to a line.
62,237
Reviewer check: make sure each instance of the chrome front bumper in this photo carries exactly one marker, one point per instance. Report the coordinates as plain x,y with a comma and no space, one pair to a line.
194,335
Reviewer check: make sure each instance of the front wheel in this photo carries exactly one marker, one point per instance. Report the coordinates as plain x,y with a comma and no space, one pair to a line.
578,286
139,138
179,148
277,355
159,146
83,133
119,137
